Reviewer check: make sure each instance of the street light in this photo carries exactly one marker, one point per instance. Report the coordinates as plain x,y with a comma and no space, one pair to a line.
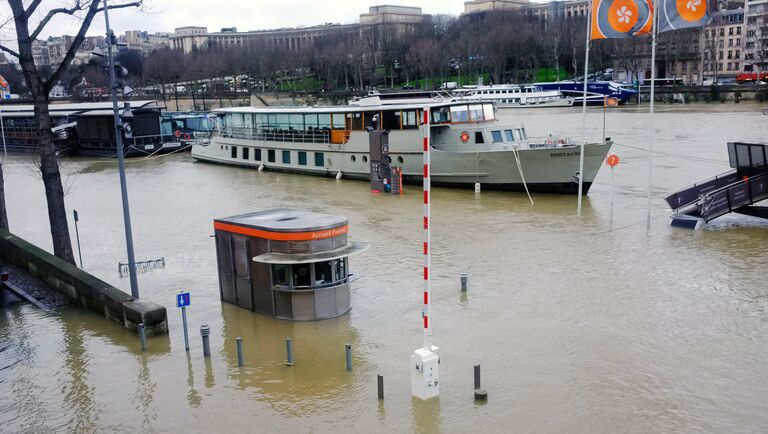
119,127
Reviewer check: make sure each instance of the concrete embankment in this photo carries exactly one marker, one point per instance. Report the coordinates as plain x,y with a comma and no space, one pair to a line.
82,287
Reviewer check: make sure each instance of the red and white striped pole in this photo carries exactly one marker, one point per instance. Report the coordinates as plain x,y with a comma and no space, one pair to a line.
427,226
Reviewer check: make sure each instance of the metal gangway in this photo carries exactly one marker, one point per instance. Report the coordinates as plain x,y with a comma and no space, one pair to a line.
736,191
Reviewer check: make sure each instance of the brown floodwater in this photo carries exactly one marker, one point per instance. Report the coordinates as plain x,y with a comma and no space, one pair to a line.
590,324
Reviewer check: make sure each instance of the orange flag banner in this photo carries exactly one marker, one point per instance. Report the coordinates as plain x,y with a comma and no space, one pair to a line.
621,18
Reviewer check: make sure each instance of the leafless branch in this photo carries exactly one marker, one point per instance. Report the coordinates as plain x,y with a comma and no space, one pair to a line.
121,6
32,7
9,51
53,12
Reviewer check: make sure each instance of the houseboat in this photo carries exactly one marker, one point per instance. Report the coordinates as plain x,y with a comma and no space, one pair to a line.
597,90
514,96
469,145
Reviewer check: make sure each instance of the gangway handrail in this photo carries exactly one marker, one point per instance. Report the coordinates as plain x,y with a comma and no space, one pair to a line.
748,180
697,184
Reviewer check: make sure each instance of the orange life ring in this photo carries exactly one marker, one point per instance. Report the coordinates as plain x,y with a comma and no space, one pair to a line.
177,133
464,136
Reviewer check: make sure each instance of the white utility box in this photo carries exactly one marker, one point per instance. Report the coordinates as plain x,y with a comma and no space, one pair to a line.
425,373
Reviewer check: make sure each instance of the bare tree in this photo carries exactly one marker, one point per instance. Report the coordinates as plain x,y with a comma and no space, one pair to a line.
39,88
3,213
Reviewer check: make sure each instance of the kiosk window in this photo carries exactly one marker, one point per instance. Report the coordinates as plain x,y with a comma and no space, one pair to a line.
281,274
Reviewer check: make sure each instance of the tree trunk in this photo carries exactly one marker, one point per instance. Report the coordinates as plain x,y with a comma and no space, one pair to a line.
3,214
54,191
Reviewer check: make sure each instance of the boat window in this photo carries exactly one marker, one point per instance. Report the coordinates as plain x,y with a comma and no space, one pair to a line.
488,112
257,154
459,113
400,160
479,137
509,136
234,152
338,121
302,158
355,121
310,120
319,159
286,157
281,274
246,153
496,136
324,121
476,112
440,115
410,120
391,120
365,158
271,155
521,134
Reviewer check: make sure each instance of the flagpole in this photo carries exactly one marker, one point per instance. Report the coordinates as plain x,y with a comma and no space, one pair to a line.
584,109
653,87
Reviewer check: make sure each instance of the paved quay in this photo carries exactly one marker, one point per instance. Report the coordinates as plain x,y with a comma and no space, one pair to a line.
43,293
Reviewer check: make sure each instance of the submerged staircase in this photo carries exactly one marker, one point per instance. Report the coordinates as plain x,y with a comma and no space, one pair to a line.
735,191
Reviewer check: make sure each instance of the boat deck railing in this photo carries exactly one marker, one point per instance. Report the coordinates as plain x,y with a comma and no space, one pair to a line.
278,135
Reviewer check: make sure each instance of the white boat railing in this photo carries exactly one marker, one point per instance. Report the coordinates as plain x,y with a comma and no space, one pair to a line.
277,135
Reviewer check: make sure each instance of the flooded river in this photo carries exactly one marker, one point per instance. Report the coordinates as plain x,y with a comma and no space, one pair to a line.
588,324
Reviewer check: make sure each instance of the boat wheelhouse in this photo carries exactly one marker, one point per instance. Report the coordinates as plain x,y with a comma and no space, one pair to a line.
514,96
469,145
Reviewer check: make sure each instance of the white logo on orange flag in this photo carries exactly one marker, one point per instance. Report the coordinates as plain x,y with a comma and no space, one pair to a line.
621,18
682,14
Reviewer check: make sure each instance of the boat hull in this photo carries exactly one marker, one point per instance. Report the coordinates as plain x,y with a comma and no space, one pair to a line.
550,170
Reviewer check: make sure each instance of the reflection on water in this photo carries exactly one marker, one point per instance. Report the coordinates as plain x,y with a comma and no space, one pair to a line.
580,325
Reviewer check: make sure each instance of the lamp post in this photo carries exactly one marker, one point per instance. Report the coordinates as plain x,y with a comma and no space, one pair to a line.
112,40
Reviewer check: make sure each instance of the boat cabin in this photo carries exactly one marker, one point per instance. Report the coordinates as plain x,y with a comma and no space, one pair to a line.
289,264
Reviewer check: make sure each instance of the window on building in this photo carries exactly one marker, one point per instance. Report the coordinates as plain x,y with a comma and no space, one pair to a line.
730,42
257,154
738,30
730,54
737,55
246,153
234,152
319,159
302,158
730,30
738,42
271,155
286,157
730,66
736,66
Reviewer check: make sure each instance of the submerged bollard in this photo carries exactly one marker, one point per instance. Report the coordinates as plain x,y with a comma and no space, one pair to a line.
464,279
380,386
289,351
239,344
480,394
205,331
348,352
142,337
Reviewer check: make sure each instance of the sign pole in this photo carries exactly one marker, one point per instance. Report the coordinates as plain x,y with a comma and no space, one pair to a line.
183,300
584,110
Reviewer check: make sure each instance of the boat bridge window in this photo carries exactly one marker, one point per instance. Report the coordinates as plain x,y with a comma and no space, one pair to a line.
354,121
440,115
410,119
459,113
390,120
476,112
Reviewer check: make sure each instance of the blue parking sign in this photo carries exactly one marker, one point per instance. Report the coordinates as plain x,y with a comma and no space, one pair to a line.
182,299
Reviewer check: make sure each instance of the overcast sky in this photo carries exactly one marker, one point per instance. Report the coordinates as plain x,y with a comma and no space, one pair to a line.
165,15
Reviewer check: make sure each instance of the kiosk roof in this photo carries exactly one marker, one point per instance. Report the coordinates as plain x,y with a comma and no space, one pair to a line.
286,220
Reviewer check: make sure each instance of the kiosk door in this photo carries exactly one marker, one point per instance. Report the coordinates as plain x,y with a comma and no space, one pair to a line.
241,260
226,269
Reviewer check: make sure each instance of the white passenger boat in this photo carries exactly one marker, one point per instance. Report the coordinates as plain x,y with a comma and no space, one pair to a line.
514,96
469,145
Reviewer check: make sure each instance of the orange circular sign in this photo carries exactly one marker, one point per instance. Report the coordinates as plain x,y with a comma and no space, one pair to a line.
691,10
622,15
612,160
177,133
464,136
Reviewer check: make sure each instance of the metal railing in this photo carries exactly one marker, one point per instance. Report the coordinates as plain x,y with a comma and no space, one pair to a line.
277,135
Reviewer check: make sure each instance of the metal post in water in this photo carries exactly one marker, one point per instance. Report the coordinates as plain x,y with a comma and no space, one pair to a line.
142,337
348,353
289,351
477,376
77,235
205,331
380,386
239,344
184,322
464,279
